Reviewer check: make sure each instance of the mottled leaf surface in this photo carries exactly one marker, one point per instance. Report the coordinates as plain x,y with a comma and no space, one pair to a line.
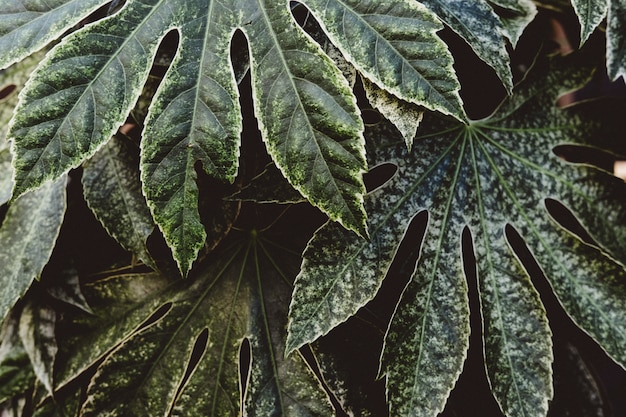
477,23
484,176
616,43
519,13
36,330
395,46
590,14
112,189
27,237
194,117
28,25
193,341
16,371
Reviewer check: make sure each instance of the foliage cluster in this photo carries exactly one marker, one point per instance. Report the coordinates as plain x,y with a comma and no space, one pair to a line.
198,194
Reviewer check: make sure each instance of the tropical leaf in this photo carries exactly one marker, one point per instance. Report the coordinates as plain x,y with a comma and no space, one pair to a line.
481,28
386,43
27,236
519,13
616,51
16,372
36,330
196,342
308,115
448,175
27,26
112,190
590,14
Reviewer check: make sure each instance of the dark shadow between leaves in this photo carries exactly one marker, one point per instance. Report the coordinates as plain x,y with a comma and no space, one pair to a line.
245,362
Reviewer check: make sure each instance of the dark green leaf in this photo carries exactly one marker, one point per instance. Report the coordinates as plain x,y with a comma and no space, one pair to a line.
28,25
27,236
112,190
16,372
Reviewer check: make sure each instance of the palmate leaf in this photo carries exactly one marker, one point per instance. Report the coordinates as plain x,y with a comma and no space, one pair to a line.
195,342
85,88
495,172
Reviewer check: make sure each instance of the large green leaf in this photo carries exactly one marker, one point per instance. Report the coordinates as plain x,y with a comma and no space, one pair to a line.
27,237
394,45
195,340
85,88
495,172
28,25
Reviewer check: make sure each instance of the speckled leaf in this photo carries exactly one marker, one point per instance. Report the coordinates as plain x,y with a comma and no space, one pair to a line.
28,25
477,23
616,44
27,236
395,46
590,13
307,115
196,347
519,14
37,332
194,116
83,91
405,116
66,288
112,190
12,80
16,372
483,176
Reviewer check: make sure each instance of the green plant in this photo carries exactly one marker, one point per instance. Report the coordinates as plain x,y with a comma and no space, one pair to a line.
142,113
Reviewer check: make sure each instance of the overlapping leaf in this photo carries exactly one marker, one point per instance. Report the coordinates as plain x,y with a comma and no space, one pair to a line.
27,26
590,14
194,342
385,42
519,14
86,87
27,237
112,190
495,172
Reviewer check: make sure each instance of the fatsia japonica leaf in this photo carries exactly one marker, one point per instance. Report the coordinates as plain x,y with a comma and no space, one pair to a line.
16,371
519,13
27,236
12,80
590,14
196,346
495,172
37,331
112,190
394,45
478,24
85,88
27,26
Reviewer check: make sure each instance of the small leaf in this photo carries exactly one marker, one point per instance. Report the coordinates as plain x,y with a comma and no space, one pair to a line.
37,331
590,13
16,371
27,26
395,46
616,49
27,236
308,116
477,23
519,13
405,116
112,189
66,288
